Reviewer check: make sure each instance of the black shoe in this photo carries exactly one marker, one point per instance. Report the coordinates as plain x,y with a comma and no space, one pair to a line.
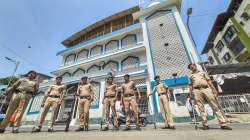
50,130
226,128
105,129
37,130
168,127
205,127
15,131
79,129
86,128
165,127
127,128
2,130
115,128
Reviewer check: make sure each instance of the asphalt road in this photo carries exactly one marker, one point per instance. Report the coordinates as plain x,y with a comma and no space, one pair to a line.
182,132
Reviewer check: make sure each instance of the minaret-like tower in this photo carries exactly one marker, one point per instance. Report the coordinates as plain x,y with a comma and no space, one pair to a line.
168,45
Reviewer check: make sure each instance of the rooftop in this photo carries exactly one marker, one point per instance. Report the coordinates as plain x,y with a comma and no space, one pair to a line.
68,42
219,24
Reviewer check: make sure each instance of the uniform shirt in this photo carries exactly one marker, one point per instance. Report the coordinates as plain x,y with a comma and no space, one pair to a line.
129,88
56,90
85,90
27,85
161,88
110,90
199,79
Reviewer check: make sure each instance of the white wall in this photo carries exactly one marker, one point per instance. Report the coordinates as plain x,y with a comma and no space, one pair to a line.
186,38
238,14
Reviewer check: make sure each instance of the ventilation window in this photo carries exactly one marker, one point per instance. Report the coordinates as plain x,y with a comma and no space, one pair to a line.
245,16
242,23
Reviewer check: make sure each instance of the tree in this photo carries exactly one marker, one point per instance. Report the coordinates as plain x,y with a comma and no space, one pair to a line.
6,80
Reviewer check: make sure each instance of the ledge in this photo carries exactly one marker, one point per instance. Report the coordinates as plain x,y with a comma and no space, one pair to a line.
123,50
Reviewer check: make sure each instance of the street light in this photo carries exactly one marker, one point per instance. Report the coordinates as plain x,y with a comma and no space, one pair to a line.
189,13
13,74
15,62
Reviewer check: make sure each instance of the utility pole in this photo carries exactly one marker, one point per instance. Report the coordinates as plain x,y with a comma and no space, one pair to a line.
189,13
16,63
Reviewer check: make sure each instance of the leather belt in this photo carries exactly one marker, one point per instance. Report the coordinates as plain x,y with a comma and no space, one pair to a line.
30,93
109,96
129,95
54,96
200,87
26,92
84,97
159,94
17,90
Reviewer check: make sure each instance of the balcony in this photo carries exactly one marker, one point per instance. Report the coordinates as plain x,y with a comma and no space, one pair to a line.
102,38
101,74
126,49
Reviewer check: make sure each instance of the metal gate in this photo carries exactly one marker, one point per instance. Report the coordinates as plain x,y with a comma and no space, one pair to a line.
235,103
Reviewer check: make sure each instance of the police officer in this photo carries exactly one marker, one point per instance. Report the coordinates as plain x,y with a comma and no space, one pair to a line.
86,95
129,96
24,89
53,99
202,89
109,100
163,100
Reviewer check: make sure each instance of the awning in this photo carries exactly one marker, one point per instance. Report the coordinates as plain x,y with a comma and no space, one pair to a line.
229,68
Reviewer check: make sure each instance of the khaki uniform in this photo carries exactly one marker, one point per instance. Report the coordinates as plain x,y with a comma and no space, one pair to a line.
55,94
19,101
130,100
109,102
202,91
85,92
163,101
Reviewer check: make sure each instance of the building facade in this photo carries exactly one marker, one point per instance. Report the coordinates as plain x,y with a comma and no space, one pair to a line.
229,39
142,42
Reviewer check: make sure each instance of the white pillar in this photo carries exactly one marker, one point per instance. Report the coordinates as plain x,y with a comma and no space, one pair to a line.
148,50
186,38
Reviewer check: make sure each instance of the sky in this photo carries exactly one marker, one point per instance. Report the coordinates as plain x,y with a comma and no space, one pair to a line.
31,31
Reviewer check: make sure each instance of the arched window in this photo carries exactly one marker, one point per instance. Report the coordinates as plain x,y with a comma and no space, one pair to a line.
71,89
83,54
78,73
112,45
111,65
93,68
66,75
70,58
130,62
129,40
96,50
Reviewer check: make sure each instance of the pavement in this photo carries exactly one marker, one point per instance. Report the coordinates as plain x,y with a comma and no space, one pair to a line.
240,118
241,131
